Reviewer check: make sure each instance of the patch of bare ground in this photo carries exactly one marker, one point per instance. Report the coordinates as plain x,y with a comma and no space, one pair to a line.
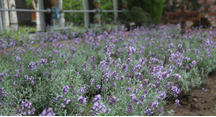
197,102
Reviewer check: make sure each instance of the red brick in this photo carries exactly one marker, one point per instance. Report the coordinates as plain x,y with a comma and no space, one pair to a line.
212,14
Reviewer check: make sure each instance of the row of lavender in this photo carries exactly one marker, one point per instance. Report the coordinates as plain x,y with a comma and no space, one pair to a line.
111,74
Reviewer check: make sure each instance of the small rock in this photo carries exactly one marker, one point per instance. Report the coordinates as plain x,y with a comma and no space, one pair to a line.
194,99
183,102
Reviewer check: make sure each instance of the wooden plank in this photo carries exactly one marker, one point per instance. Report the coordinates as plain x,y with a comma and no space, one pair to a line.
183,16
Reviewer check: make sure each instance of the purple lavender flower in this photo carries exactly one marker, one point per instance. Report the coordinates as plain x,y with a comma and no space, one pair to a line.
158,90
17,58
26,77
62,105
155,104
206,90
130,108
128,89
170,51
98,86
53,61
10,70
131,50
162,96
32,66
25,104
14,83
2,94
66,101
138,67
82,89
140,87
82,100
65,89
97,98
193,63
48,112
112,100
133,96
129,60
176,103
171,45
124,67
142,98
92,81
175,89
84,66
148,112
73,49
58,97
187,58
180,46
99,107
46,74
74,92
176,76
113,84
151,85
43,61
135,90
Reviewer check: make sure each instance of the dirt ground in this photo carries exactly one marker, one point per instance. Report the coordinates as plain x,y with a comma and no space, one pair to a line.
197,102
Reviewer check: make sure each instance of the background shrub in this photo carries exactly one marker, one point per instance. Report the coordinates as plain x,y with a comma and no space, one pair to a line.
205,23
153,7
76,18
136,15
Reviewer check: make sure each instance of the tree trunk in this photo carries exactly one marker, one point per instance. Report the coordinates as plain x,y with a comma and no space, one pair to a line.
6,15
13,15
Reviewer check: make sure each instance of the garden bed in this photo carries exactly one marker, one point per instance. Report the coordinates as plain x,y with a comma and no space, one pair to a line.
110,74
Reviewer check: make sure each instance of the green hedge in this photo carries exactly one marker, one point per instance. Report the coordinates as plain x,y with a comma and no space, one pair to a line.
136,15
76,18
154,7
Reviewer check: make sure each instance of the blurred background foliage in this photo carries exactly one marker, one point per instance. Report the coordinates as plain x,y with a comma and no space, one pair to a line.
148,10
136,15
153,7
107,5
76,18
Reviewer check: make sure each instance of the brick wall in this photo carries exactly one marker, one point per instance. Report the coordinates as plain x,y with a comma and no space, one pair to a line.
212,18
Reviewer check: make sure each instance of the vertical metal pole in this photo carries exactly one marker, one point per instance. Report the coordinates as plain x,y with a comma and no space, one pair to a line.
61,20
1,19
6,18
115,9
86,14
13,15
41,18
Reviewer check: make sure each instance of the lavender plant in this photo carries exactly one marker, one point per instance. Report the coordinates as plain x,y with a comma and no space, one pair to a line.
112,73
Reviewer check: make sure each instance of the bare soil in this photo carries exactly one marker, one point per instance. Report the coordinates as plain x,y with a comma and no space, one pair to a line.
197,102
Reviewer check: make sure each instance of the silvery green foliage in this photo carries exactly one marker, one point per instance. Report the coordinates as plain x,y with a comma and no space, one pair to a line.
110,74
171,112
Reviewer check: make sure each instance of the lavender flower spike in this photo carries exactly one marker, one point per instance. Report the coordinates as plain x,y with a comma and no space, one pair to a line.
48,112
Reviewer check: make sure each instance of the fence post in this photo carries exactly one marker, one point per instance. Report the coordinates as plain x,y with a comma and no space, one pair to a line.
13,15
115,10
40,16
6,15
61,20
86,14
1,17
